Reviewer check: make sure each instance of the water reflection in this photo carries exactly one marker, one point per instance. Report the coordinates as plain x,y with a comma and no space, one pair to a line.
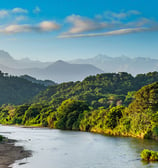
68,149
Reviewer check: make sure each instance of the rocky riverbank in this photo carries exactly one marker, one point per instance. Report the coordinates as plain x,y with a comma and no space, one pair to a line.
9,153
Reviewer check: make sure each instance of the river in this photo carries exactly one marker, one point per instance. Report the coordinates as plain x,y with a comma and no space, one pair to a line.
69,149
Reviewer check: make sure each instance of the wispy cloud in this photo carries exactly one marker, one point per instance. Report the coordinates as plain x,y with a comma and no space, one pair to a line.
48,26
83,24
36,10
109,33
18,10
112,23
15,22
16,29
120,15
44,26
13,15
142,22
20,18
9,12
3,13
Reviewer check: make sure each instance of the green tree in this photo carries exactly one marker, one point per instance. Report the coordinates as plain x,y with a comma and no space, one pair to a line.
68,114
114,116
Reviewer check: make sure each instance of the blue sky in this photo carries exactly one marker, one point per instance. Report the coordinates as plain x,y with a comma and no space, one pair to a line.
49,30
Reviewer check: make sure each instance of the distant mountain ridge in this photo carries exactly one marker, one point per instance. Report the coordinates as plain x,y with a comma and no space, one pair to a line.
121,64
76,70
59,71
7,60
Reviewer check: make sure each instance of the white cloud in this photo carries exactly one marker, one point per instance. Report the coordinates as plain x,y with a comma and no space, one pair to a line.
11,29
44,26
3,13
110,20
110,33
21,18
14,23
19,10
120,15
11,12
143,21
37,10
83,24
48,26
134,12
112,23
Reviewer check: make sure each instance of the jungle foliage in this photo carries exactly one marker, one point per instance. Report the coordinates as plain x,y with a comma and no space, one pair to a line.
149,155
113,103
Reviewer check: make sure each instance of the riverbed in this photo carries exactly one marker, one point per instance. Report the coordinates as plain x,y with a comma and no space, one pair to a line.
53,148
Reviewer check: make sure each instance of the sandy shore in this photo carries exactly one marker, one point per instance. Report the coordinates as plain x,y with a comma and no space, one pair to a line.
10,153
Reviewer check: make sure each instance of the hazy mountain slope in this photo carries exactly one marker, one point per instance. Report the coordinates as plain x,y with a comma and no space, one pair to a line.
42,82
16,90
121,64
9,61
76,70
59,71
62,71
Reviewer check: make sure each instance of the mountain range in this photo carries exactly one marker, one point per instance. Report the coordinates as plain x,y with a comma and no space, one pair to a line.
8,61
75,70
59,71
133,66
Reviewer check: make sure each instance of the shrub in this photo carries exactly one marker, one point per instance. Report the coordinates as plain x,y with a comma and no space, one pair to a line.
1,138
149,155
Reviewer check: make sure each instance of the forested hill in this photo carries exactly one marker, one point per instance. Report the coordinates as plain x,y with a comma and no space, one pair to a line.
105,103
16,90
99,90
42,82
96,104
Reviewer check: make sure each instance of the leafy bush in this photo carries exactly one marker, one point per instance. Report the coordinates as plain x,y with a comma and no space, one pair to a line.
149,155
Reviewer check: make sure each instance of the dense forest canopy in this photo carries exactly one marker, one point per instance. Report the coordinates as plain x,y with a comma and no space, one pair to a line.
100,90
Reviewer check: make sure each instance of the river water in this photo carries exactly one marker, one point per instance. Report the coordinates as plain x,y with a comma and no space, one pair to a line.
68,149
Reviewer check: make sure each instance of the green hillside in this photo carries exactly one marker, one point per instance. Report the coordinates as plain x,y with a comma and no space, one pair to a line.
100,90
15,90
115,104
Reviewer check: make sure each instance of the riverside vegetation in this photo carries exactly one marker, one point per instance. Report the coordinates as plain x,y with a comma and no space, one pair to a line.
149,155
112,103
